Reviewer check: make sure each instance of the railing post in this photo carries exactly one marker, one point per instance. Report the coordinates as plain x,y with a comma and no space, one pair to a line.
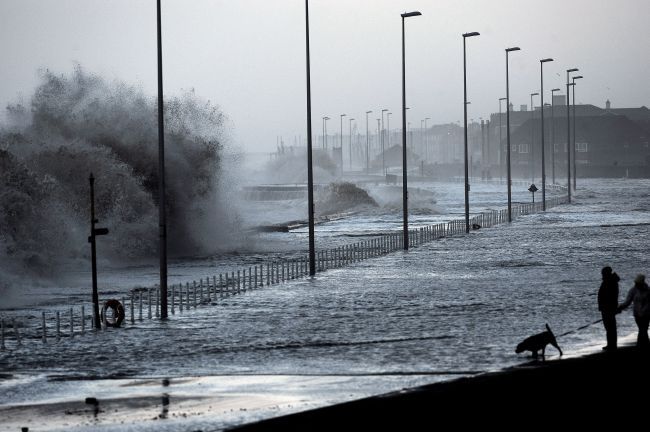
132,308
13,322
173,299
140,307
44,328
149,302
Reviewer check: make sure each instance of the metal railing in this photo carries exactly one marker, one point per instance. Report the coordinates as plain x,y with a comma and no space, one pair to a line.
144,303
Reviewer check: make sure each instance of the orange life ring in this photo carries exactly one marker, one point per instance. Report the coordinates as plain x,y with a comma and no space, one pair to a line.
118,313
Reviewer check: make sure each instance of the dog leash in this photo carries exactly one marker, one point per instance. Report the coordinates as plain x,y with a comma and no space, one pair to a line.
581,328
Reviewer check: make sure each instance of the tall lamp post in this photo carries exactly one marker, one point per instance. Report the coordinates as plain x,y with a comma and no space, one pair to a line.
500,142
350,144
573,148
508,51
379,132
367,145
383,146
541,91
553,133
388,114
310,172
532,137
325,132
422,148
568,133
426,139
341,149
162,215
465,36
404,177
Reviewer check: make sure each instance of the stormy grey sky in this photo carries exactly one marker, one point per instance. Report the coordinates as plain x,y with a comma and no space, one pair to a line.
248,56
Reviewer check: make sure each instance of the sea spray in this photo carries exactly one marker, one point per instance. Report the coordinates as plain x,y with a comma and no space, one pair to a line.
342,197
81,123
290,166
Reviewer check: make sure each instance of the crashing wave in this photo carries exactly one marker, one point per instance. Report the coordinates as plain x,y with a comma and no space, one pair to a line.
80,123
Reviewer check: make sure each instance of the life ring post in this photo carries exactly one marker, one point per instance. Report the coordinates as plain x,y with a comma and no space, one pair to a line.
93,250
118,313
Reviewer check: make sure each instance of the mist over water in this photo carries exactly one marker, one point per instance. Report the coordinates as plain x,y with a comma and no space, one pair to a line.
79,123
290,166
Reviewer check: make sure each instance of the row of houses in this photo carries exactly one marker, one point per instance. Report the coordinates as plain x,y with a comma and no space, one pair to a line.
608,142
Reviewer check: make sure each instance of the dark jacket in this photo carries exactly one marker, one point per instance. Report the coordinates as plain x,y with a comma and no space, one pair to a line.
608,294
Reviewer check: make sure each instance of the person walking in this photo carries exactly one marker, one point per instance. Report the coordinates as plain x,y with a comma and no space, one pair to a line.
608,305
639,294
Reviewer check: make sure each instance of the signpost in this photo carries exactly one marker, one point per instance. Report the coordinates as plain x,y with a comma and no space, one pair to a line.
93,250
533,189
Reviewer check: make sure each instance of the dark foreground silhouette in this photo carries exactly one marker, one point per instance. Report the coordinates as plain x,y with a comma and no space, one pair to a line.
585,391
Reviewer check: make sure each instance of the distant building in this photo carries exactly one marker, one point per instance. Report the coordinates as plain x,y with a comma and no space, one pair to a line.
609,141
559,100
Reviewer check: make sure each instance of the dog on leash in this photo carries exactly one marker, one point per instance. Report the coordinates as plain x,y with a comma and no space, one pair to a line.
538,342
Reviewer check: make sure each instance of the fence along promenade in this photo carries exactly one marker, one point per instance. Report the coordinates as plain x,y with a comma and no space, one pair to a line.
144,304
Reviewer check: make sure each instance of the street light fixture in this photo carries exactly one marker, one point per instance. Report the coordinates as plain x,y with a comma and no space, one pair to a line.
367,145
383,147
310,171
575,168
404,168
325,118
341,148
532,137
426,139
379,131
568,132
500,142
350,143
553,133
508,51
162,214
422,139
465,36
541,90
388,114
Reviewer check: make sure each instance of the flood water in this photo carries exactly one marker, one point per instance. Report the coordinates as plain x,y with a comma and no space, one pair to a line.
454,306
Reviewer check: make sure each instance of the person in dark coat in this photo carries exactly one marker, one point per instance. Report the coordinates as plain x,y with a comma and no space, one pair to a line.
608,305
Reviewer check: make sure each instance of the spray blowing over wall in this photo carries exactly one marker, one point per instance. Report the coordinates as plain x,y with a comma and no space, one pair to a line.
80,123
